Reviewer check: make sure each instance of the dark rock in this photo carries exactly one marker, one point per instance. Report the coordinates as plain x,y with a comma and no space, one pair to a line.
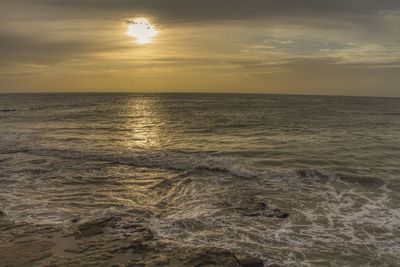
95,227
136,226
211,257
261,205
302,173
279,214
75,220
251,214
245,260
282,215
137,246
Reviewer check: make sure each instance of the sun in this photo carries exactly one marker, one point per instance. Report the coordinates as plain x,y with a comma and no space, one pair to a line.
142,30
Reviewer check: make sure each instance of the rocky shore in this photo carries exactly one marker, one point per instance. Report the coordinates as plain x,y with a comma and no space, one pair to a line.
108,241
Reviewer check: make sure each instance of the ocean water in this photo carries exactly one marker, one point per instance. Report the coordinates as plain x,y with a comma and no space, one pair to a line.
185,163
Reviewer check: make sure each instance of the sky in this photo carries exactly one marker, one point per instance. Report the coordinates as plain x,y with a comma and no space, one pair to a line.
335,47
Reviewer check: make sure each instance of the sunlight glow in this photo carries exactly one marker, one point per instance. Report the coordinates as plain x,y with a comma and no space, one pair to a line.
142,30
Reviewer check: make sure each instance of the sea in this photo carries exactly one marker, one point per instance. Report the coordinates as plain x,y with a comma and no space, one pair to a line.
189,164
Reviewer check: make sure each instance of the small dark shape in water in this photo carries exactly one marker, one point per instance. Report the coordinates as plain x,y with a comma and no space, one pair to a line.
251,214
252,209
280,214
361,180
261,205
245,260
302,173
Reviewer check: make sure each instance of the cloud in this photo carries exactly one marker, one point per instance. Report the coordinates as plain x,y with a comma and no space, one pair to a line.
322,76
181,11
276,44
36,50
392,19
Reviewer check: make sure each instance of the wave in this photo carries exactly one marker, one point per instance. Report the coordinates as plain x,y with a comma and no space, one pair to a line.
176,160
198,205
169,160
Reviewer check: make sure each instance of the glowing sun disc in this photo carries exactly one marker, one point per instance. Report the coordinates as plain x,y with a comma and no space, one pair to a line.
141,30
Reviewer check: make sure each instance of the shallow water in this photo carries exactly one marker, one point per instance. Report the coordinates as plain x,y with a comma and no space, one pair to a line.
184,163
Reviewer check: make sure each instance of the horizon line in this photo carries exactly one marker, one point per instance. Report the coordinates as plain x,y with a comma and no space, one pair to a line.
194,92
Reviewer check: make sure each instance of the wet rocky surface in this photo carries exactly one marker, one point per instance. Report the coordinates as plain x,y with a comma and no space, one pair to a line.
251,207
108,241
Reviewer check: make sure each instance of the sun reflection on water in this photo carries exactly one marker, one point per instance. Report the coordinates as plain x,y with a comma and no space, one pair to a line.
144,121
